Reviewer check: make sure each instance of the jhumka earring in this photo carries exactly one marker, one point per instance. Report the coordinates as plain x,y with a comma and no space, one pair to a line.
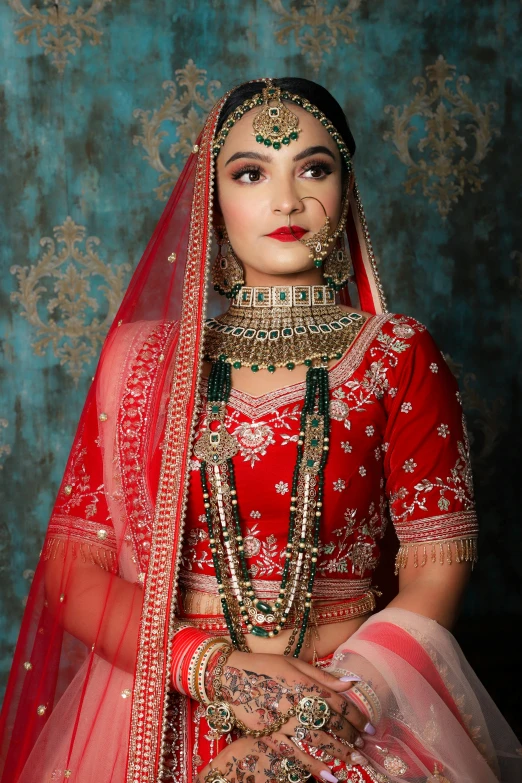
338,267
227,273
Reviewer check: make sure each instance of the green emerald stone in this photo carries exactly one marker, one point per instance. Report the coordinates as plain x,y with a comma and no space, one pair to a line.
258,631
276,128
259,138
286,140
263,607
254,368
290,366
315,422
294,135
318,263
215,409
236,365
308,362
282,296
267,143
314,442
271,368
310,463
277,145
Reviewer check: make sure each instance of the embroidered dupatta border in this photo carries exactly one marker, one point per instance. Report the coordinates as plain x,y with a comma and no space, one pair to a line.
151,684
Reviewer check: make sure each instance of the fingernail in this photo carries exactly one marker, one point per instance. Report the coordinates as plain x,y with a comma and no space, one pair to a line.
328,776
359,742
351,678
369,729
356,758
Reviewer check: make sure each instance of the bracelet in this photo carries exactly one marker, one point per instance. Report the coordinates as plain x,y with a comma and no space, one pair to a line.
220,715
197,682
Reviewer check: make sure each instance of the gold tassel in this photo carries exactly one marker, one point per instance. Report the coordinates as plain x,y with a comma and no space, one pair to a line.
457,550
96,555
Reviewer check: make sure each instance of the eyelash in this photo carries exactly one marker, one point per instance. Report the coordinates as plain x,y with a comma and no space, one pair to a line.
312,164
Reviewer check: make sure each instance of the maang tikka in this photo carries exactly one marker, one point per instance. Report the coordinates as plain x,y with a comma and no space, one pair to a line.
275,125
227,273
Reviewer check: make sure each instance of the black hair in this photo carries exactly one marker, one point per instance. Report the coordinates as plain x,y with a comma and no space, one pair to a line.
313,92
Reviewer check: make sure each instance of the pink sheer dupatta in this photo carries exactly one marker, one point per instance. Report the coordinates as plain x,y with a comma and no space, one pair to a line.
435,721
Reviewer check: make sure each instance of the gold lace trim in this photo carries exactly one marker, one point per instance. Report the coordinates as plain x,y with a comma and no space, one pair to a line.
457,550
95,555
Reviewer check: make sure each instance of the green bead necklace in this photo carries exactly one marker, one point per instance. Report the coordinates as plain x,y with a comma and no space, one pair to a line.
215,448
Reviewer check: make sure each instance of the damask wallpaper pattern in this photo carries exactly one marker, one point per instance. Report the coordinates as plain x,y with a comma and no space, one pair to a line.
101,102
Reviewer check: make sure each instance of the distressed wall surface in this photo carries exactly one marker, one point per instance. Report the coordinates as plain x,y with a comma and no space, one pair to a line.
100,106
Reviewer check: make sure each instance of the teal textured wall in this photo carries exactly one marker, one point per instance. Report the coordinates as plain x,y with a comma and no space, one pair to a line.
100,105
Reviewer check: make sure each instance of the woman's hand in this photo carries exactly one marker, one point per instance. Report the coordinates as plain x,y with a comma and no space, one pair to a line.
258,686
262,761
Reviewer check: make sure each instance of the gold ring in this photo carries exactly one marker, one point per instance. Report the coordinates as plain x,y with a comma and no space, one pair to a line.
313,712
295,771
215,776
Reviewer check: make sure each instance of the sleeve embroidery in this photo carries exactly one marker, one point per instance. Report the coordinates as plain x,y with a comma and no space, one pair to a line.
427,462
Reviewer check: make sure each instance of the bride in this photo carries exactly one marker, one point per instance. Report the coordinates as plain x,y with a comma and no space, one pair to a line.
203,609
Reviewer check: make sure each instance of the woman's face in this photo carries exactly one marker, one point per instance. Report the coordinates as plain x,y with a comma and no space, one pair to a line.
259,188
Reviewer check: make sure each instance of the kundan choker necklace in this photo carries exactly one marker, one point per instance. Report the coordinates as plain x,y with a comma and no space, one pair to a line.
269,327
281,326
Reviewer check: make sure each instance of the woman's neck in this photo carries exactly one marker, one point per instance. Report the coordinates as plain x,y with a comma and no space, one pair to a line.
309,277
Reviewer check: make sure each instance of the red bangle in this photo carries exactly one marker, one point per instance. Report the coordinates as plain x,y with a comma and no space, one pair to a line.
185,644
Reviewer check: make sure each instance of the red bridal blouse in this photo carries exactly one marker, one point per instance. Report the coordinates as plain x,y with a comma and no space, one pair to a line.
398,449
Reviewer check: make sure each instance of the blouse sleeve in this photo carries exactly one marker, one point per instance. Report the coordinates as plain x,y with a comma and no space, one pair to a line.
80,521
427,464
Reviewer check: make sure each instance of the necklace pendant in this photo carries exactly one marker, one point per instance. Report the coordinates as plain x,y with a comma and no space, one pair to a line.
216,445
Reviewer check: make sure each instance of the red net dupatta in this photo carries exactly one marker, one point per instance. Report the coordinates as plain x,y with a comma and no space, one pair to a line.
88,698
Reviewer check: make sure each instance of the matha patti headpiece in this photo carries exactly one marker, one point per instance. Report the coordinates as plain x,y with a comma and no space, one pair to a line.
287,122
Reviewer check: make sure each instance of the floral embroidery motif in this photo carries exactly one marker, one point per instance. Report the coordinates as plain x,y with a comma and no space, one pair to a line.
255,514
133,432
339,485
281,488
406,407
443,430
409,466
369,431
346,447
362,470
459,484
434,367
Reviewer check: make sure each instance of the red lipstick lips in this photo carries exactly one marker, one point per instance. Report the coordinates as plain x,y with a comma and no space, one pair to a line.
284,234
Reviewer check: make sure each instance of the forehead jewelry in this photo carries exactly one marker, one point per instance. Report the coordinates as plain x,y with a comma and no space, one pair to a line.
263,98
275,125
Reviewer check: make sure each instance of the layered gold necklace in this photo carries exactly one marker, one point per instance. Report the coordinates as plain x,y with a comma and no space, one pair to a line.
268,327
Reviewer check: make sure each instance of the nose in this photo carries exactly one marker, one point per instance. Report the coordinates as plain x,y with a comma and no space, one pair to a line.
286,199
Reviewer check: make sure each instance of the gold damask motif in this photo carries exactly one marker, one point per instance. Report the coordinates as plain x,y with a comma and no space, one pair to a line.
5,448
320,27
71,325
187,111
444,172
58,31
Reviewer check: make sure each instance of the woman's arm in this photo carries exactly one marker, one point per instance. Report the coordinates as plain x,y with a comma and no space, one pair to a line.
434,590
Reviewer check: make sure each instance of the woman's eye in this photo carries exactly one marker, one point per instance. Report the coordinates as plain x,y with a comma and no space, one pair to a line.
318,171
247,175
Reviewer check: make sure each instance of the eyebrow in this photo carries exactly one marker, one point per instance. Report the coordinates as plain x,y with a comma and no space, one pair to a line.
315,150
